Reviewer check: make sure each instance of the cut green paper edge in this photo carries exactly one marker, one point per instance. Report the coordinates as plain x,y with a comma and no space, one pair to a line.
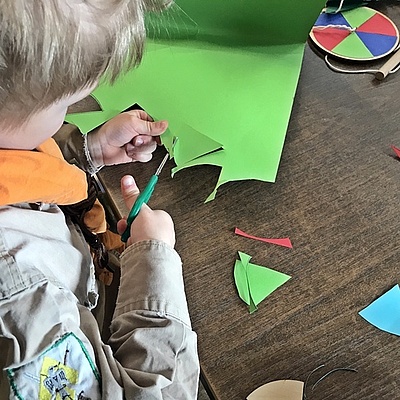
254,282
227,95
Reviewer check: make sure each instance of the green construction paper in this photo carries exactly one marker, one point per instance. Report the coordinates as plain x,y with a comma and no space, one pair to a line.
238,22
353,47
172,24
226,70
247,113
192,145
254,283
87,121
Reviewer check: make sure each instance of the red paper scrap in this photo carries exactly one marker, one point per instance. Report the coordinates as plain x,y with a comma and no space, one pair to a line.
396,150
285,242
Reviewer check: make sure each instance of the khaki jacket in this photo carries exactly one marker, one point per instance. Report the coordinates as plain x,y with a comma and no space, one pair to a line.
50,344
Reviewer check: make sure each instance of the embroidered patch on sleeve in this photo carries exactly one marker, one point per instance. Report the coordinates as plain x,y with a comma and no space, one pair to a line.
64,371
56,378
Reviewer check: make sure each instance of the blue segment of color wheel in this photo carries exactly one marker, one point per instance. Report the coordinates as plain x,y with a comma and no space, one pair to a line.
377,44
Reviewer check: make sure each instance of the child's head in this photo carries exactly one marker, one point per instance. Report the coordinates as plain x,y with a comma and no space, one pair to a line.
52,49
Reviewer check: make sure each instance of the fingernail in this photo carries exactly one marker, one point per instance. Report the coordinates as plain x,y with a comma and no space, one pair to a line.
128,181
138,141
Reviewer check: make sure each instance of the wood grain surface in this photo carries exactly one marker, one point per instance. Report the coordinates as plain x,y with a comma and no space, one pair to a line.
337,197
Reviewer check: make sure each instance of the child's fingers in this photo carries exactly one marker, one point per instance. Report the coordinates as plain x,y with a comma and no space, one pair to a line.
142,153
151,128
141,114
144,125
145,141
121,226
129,190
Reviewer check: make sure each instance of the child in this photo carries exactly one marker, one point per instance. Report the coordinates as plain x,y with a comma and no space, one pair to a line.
52,55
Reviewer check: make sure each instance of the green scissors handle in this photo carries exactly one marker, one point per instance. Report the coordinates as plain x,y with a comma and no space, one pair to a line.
143,198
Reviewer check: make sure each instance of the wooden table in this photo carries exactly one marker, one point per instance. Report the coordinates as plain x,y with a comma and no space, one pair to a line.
337,197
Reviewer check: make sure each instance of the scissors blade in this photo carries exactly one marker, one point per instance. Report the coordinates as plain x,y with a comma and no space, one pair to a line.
166,157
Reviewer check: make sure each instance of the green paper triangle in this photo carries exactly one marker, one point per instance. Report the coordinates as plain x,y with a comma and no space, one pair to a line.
242,286
192,145
245,258
263,281
254,282
252,306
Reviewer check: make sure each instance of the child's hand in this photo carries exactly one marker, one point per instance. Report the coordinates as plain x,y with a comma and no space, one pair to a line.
130,136
149,224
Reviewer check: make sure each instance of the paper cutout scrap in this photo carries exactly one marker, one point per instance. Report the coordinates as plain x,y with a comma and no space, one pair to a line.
279,390
396,150
193,145
254,282
291,389
285,242
384,312
230,80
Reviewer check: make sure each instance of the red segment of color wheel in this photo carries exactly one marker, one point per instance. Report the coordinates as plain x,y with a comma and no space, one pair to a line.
378,24
330,37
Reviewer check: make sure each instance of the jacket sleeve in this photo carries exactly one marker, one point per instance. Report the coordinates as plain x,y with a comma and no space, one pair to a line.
151,334
74,147
152,351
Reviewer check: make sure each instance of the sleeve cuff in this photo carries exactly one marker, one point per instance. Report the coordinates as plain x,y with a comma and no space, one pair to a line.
152,280
91,167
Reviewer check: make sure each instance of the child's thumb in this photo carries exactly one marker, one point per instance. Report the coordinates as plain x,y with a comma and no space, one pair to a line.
129,190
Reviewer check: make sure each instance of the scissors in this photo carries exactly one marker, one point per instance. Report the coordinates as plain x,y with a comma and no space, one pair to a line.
144,196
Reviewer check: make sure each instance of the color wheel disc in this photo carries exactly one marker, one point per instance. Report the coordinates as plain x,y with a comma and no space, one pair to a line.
360,34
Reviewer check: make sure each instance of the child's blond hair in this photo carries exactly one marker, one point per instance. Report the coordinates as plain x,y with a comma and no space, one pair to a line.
52,48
